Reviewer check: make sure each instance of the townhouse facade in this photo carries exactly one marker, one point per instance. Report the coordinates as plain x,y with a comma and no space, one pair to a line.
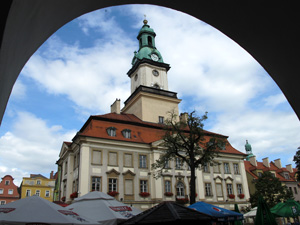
8,190
113,152
38,185
286,175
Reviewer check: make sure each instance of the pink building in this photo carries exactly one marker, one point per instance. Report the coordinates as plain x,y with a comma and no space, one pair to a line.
8,190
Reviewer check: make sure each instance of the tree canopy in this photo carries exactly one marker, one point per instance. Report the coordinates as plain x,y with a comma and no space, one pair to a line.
297,162
185,139
270,187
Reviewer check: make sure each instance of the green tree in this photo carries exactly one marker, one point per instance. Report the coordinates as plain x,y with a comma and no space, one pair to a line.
271,189
187,140
297,162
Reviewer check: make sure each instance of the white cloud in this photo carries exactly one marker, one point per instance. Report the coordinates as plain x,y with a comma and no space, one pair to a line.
18,91
31,147
274,100
271,134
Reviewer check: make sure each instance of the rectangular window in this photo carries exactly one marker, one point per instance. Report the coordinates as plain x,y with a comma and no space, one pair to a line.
128,187
2,202
75,161
112,184
128,160
7,182
37,193
295,190
208,191
180,190
287,176
143,161
38,182
167,164
143,186
66,167
1,191
96,157
216,168
178,163
236,168
112,158
226,168
10,191
219,190
160,119
168,186
47,194
96,183
239,188
229,189
206,168
28,193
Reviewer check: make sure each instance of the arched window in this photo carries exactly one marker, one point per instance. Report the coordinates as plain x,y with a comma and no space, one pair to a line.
180,190
150,41
111,131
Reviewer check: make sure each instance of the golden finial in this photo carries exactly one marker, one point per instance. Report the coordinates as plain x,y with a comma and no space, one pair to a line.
145,20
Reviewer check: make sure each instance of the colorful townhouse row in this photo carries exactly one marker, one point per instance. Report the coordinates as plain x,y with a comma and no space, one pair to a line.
36,184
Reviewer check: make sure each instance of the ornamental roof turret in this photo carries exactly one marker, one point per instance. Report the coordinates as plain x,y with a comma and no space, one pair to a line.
248,149
147,49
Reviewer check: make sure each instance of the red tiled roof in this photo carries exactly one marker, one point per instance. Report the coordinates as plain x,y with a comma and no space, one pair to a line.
260,166
141,131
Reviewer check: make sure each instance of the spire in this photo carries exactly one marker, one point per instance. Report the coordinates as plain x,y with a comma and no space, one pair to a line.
147,48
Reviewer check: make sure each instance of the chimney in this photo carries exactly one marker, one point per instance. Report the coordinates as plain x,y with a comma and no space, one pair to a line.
51,175
278,163
183,117
289,168
252,160
266,162
115,107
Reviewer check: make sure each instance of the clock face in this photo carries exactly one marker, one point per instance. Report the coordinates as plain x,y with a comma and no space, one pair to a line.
154,57
155,73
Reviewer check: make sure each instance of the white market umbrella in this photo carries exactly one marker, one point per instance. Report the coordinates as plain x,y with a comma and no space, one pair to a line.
102,208
251,213
36,210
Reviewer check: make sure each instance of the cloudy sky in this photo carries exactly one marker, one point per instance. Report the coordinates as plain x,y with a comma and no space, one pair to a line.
81,69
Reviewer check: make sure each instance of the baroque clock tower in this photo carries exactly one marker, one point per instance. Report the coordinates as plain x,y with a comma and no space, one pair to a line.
150,98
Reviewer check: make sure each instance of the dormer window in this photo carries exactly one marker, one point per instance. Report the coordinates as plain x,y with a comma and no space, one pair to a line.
287,176
126,133
111,131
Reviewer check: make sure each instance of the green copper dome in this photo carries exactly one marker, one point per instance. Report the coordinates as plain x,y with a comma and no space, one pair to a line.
147,49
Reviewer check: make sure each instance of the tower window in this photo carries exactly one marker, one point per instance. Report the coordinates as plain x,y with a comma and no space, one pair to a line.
150,41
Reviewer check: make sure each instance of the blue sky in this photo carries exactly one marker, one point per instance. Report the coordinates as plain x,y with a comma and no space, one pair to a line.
81,69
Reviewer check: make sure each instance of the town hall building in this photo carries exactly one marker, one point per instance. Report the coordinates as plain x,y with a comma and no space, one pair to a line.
113,153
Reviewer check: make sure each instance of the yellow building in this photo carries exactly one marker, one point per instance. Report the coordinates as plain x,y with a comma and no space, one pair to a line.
38,185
